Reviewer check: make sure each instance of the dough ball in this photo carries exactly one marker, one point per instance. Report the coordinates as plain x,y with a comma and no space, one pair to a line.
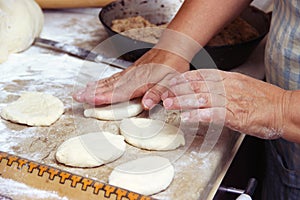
91,150
34,109
20,22
147,176
151,134
116,111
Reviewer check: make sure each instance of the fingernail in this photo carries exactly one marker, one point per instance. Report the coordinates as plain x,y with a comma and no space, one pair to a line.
168,103
164,95
148,103
185,116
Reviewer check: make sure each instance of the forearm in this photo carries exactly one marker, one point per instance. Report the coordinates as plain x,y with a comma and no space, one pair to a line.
197,22
291,116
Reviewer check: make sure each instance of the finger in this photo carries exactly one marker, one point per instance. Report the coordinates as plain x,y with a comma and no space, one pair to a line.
115,95
153,96
198,75
104,81
108,97
108,81
193,87
98,99
102,91
187,102
194,101
189,88
207,115
105,84
157,92
118,93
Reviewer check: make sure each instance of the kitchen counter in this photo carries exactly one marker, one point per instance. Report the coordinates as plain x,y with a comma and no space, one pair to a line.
199,166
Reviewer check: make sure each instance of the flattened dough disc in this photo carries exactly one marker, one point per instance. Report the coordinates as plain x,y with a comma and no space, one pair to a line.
34,109
147,176
91,150
151,134
116,111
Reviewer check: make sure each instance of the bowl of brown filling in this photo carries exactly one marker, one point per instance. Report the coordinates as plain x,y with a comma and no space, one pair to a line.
139,25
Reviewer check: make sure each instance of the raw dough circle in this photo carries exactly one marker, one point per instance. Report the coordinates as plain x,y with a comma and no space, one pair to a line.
151,134
34,109
20,23
91,150
116,111
147,176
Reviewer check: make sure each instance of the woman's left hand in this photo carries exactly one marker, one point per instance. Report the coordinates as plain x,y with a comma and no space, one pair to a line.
238,101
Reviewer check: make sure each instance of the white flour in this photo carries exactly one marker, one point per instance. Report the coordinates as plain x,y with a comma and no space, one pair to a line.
11,188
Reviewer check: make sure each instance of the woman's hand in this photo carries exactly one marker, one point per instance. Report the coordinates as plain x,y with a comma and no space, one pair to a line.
146,78
239,102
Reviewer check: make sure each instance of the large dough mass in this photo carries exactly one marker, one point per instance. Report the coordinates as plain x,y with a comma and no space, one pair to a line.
147,176
151,134
20,22
34,109
91,150
116,111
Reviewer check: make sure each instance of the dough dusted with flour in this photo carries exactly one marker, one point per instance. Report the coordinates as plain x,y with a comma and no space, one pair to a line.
115,111
91,150
147,176
151,134
34,109
20,22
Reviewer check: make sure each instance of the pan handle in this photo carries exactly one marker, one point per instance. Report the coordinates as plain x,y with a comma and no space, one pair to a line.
249,191
244,194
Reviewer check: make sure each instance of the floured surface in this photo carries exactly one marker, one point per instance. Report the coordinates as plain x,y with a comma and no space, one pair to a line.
58,74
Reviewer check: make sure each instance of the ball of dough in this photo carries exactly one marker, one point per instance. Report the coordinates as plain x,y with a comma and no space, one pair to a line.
91,150
151,134
20,22
34,109
115,111
147,176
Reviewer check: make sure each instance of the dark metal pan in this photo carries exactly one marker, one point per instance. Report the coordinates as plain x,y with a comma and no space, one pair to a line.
159,12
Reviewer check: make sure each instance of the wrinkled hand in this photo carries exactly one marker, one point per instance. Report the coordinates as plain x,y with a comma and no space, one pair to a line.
239,102
146,78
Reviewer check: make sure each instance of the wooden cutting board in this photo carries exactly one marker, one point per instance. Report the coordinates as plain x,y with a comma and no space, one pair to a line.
72,4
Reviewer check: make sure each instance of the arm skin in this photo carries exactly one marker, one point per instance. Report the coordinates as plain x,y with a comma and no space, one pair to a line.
197,20
240,102
202,19
291,116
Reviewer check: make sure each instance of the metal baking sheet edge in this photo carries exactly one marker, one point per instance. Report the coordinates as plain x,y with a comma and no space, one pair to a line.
218,181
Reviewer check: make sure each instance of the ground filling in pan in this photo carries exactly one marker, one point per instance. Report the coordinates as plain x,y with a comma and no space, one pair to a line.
236,32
